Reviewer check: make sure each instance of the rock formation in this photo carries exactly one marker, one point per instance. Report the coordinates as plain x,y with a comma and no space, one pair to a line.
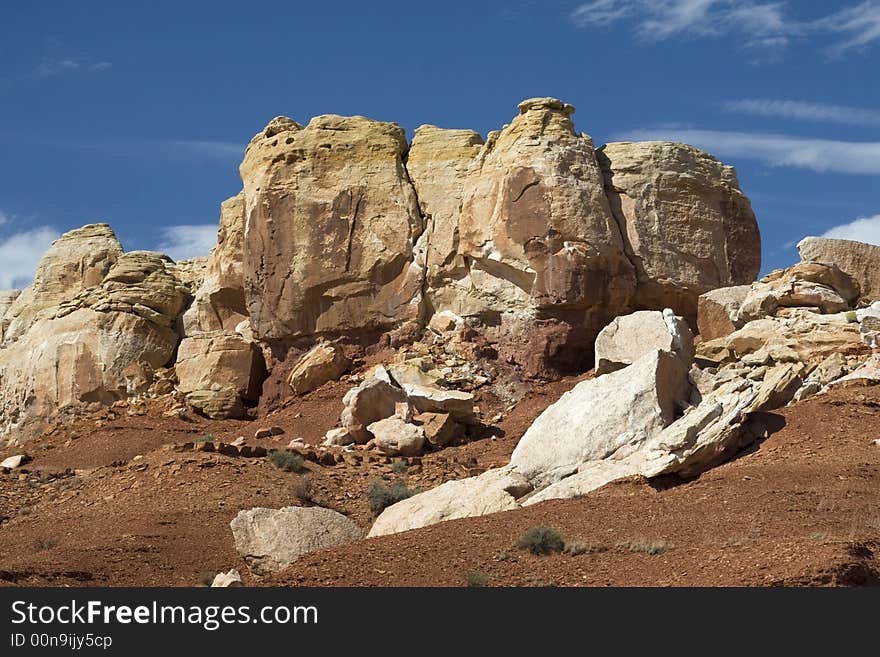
532,241
92,327
686,225
861,261
331,223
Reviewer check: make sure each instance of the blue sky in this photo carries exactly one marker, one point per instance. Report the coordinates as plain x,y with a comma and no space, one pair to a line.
137,113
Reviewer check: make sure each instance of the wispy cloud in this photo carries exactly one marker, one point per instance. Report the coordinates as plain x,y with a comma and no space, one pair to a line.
803,111
50,67
188,240
20,252
775,149
223,150
863,229
762,24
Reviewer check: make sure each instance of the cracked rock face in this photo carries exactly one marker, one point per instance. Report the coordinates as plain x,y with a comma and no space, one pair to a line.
87,344
331,221
686,225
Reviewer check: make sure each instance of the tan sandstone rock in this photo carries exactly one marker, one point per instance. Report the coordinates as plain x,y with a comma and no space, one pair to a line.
322,363
88,346
330,223
538,236
861,261
687,226
229,360
718,310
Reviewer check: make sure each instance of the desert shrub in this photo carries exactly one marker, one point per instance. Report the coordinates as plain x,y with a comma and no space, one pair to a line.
380,495
575,548
45,543
541,540
287,461
399,467
208,438
643,546
304,489
475,579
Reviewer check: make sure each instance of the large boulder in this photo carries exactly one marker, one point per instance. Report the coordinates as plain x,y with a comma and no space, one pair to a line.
490,492
221,358
603,417
396,437
272,539
322,363
331,219
861,261
372,400
718,311
686,225
629,337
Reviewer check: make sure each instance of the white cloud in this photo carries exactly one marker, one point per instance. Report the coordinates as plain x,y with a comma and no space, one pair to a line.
774,149
188,240
50,66
863,229
803,111
20,253
762,24
859,25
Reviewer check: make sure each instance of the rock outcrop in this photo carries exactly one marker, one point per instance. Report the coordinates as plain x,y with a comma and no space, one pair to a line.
861,261
686,225
331,223
99,342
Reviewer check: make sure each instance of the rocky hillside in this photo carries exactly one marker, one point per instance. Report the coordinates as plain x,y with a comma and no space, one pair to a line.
388,337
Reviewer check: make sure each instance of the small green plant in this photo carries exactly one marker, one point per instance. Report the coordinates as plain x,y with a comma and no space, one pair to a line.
476,580
503,555
399,467
208,438
206,577
287,461
380,495
541,540
643,546
45,543
304,489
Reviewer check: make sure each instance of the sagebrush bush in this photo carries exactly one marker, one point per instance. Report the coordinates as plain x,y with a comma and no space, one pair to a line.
205,439
304,489
475,579
399,466
380,495
287,461
541,540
